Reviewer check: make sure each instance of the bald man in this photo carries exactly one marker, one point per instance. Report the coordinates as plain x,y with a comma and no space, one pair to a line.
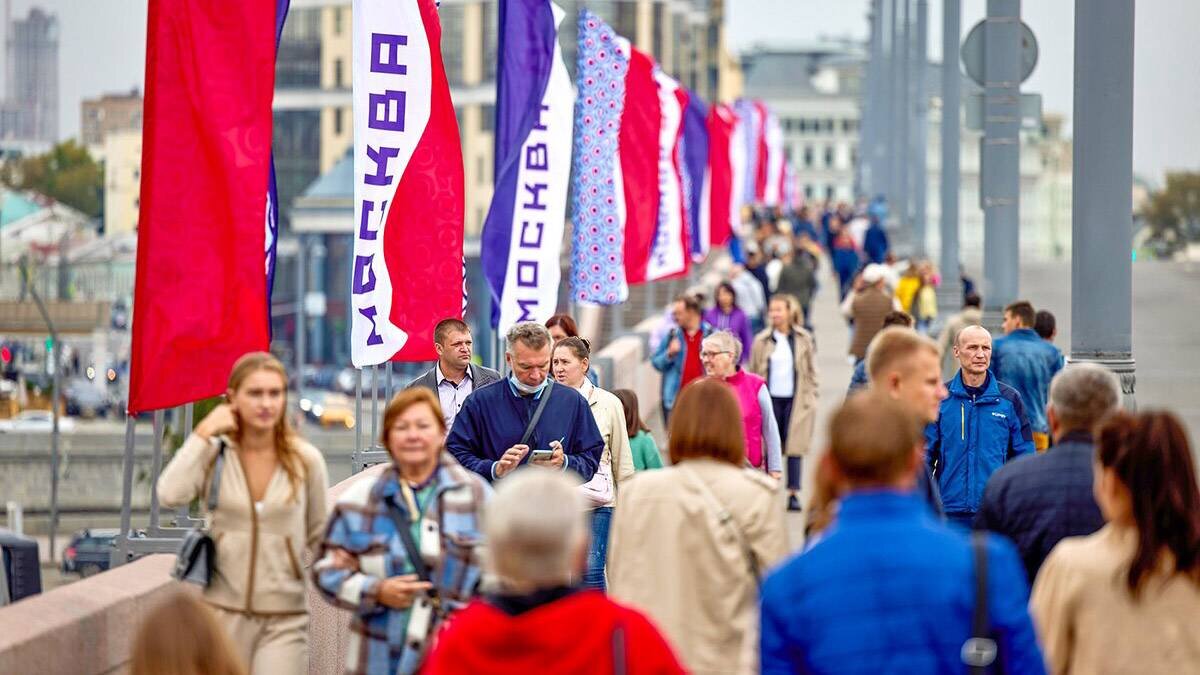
981,425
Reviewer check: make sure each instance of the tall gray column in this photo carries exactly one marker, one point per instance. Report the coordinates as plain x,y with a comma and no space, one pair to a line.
1101,220
301,317
950,292
869,153
897,134
1000,189
904,112
920,164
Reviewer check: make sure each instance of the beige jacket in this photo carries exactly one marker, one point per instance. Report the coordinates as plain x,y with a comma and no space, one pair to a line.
258,552
1090,624
808,386
616,464
670,557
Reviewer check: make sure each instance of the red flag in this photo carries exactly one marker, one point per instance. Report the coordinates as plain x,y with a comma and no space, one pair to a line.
722,206
638,147
200,291
760,168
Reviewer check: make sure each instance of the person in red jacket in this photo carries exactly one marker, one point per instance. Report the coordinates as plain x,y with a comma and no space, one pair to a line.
539,620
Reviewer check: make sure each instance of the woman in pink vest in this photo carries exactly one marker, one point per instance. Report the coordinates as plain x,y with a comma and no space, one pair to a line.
720,353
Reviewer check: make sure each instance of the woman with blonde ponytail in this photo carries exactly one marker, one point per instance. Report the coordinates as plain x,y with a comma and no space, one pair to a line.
270,509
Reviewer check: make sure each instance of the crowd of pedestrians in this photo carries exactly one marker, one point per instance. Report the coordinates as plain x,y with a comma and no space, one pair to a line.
978,507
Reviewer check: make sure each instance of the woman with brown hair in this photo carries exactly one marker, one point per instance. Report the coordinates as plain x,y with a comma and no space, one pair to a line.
1126,599
180,636
402,550
691,541
641,443
270,509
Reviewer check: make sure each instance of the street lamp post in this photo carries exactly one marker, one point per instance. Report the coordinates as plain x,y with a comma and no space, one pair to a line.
1101,227
950,291
920,164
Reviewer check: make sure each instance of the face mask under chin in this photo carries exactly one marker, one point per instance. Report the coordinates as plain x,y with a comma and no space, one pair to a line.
525,388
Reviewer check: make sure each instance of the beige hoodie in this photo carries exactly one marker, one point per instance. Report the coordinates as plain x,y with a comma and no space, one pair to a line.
258,550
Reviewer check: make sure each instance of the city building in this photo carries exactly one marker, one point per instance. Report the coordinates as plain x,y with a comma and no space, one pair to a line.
30,110
817,93
313,110
110,113
122,153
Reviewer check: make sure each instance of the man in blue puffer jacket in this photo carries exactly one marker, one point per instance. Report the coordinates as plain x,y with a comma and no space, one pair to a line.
981,425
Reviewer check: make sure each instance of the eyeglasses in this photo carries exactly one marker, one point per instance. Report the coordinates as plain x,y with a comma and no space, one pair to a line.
712,355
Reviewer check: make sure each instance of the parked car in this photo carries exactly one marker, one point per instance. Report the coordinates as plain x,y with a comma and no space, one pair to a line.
36,421
89,551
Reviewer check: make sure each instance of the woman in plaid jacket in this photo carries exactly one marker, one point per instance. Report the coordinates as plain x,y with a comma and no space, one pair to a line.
401,587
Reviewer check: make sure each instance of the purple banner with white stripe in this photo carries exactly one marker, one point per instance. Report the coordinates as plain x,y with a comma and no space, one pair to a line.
522,235
694,170
272,212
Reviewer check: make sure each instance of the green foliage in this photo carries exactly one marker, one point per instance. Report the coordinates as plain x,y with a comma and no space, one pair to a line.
1173,213
67,173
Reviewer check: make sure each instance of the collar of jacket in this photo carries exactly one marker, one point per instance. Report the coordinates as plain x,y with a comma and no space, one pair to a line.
1081,436
588,391
1027,334
991,390
875,503
448,477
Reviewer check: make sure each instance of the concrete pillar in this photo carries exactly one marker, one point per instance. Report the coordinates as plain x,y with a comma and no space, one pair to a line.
871,150
1000,188
950,292
920,164
904,113
1101,220
896,133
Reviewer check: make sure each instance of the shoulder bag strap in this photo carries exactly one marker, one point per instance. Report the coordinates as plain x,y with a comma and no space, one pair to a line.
400,520
214,487
979,651
727,520
537,414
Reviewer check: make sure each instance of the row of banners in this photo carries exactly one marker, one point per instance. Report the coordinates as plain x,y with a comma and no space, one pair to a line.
657,179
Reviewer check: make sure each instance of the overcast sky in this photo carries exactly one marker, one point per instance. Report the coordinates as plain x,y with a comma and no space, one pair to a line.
102,49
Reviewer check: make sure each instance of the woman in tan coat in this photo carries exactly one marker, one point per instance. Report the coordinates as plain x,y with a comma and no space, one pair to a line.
270,508
691,541
1127,598
785,355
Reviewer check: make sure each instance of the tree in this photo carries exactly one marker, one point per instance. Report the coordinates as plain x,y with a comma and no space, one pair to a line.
67,173
1173,213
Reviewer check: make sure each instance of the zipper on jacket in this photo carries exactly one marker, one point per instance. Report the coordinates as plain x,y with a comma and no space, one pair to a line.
962,412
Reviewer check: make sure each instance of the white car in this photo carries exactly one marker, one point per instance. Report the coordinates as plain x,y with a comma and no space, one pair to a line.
36,421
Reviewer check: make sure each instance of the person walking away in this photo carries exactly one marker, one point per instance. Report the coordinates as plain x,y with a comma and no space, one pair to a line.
1026,362
678,356
725,314
536,620
1039,500
690,541
402,550
454,377
875,244
785,356
971,315
867,309
890,589
570,364
180,636
764,450
798,275
641,443
1125,599
843,254
1045,325
858,378
499,428
980,426
924,306
270,508
909,284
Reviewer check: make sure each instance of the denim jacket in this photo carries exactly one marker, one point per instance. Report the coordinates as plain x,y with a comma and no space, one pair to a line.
1027,363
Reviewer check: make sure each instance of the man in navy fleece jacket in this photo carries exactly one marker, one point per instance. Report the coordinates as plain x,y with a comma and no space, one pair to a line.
487,432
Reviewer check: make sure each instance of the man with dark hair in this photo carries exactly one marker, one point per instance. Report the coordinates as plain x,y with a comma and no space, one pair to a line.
1039,500
499,427
1045,325
885,588
859,379
678,355
980,426
1026,362
971,315
454,377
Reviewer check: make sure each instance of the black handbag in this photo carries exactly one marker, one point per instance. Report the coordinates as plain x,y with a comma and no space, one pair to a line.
198,552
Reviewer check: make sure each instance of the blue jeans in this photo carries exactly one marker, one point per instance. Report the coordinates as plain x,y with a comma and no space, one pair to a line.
598,550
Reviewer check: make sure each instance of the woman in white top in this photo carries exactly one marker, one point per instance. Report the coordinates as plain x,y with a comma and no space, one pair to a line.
785,354
570,367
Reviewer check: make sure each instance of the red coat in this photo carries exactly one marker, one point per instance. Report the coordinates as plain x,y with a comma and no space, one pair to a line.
571,636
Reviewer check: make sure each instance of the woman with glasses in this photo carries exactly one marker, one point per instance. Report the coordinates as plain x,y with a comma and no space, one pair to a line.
720,354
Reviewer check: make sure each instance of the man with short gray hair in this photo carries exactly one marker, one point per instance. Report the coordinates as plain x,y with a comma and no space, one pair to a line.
526,418
1040,499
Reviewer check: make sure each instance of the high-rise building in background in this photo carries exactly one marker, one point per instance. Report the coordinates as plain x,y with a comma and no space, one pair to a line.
110,113
30,111
313,131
